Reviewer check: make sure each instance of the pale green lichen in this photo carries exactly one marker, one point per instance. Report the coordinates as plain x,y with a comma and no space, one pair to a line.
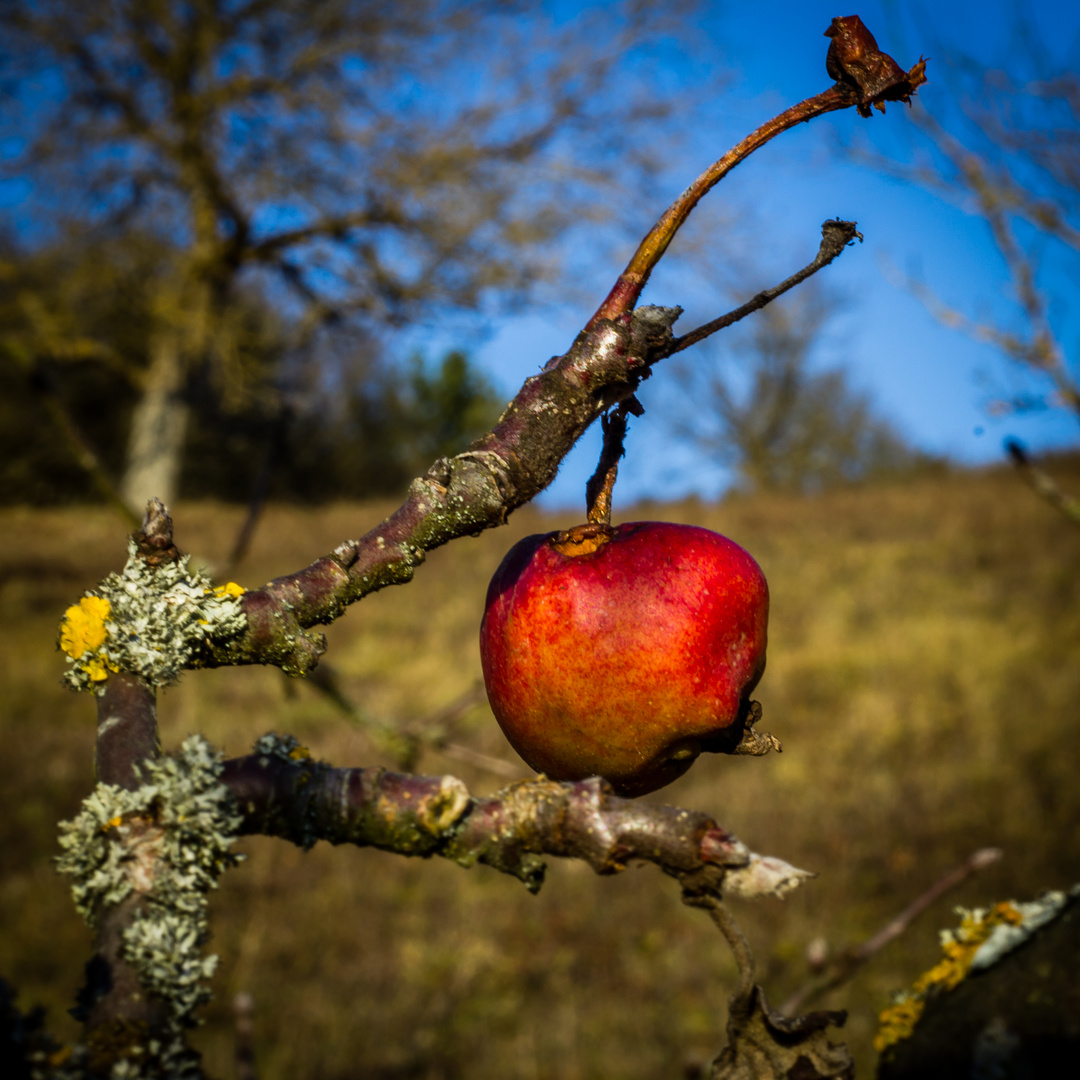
168,841
149,621
285,748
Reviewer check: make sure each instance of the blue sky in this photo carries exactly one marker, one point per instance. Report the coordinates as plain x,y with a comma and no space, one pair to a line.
932,382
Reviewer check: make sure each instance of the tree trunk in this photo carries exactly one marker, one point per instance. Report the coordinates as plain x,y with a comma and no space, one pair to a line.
158,426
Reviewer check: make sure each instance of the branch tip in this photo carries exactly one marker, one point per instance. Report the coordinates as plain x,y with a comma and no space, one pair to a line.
154,540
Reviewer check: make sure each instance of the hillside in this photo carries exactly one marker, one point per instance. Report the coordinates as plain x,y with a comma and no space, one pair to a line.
923,675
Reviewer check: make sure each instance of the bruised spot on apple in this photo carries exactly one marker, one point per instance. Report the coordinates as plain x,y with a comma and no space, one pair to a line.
626,652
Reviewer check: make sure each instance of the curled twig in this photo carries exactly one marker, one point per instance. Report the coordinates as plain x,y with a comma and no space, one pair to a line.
736,939
762,1044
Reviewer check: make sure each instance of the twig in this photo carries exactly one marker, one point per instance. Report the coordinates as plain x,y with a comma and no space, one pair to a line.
762,1044
848,963
506,769
626,291
260,489
1042,482
865,77
835,236
405,745
736,939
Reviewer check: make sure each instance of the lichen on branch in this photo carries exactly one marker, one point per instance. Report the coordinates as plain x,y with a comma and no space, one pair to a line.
148,620
153,854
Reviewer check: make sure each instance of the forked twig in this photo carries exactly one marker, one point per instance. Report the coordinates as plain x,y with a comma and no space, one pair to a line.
865,77
627,289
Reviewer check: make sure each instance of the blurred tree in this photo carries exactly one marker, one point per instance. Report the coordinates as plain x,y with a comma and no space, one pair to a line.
1019,169
368,433
1004,144
76,322
780,424
351,159
382,428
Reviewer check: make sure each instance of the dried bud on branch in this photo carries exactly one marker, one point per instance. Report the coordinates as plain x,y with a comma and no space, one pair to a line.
855,61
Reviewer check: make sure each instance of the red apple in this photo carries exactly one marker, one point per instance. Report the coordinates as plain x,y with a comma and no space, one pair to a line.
625,652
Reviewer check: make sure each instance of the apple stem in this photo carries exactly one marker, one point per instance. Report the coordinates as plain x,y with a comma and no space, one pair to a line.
598,489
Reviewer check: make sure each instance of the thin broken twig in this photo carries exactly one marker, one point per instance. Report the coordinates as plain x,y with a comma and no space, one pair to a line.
844,967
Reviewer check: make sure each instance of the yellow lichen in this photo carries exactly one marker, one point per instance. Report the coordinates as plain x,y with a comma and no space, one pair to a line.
112,823
898,1022
958,949
299,753
229,589
83,629
97,669
961,945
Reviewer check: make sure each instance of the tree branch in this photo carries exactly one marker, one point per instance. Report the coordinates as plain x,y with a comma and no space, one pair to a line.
835,236
281,793
514,462
113,1004
626,291
458,496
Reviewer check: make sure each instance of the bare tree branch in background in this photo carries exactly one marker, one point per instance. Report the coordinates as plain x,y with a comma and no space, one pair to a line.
1012,157
1042,482
844,967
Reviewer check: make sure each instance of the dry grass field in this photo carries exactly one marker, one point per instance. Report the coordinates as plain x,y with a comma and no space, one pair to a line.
924,676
